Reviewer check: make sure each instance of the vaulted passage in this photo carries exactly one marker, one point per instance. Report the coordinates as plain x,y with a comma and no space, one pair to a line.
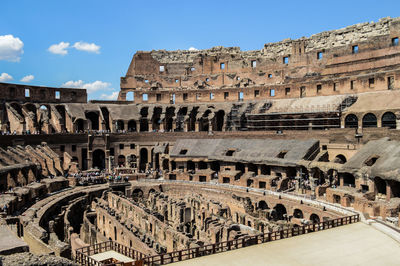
143,158
99,159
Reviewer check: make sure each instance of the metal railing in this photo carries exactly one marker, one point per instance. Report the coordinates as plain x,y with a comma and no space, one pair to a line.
246,241
82,255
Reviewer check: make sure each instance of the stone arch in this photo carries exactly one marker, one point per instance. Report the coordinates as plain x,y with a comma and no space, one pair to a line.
143,159
262,205
119,125
156,119
144,125
369,120
314,218
389,120
79,125
31,108
351,121
132,160
121,160
169,118
192,119
61,110
132,126
394,188
349,180
218,124
203,124
297,213
99,159
180,119
380,185
106,116
93,117
137,194
280,212
340,158
318,175
165,165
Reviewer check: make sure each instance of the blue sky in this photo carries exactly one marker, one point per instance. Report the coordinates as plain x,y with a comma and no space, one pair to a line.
102,36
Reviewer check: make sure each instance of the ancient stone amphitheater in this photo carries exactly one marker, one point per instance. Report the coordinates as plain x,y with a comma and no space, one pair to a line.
206,152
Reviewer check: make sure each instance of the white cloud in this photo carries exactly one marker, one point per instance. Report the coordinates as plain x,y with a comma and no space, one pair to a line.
87,47
193,49
4,77
11,48
90,87
73,84
60,48
110,97
28,78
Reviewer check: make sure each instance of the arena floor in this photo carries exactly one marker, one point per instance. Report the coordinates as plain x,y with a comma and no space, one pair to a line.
355,244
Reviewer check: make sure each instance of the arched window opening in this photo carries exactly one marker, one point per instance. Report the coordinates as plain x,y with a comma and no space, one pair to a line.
99,159
369,120
132,126
389,120
314,218
340,158
351,121
298,214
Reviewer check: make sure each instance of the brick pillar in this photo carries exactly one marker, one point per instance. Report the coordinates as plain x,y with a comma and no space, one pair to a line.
379,121
341,181
196,126
388,191
397,120
173,125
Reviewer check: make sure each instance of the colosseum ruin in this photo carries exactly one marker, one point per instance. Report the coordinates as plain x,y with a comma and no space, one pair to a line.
206,152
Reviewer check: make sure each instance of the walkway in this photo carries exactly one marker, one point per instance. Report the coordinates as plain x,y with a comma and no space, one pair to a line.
354,244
